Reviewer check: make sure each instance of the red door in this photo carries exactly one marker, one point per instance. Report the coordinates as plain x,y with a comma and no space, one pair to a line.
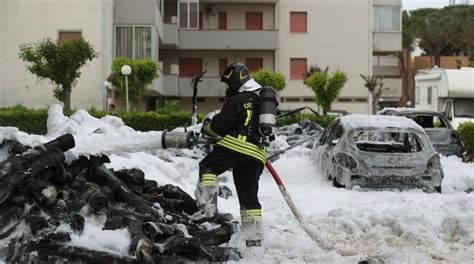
253,20
190,66
222,20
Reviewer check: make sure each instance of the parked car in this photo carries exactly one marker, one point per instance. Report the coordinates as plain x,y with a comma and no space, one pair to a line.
375,151
442,135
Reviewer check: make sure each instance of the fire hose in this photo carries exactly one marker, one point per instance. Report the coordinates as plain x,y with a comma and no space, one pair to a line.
190,139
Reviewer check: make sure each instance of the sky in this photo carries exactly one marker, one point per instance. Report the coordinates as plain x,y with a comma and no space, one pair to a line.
415,4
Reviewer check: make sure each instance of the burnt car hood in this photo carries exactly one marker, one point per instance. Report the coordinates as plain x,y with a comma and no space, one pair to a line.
391,164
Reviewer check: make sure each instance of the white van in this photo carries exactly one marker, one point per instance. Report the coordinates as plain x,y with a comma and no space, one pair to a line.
450,91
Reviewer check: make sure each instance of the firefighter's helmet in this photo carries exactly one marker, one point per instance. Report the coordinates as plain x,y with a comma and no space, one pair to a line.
235,75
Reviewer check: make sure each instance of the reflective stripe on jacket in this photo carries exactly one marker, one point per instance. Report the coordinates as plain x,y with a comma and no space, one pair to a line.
236,124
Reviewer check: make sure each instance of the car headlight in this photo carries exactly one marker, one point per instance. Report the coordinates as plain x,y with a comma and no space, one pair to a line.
346,161
434,163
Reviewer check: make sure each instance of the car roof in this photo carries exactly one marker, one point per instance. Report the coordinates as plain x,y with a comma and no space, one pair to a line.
408,111
378,121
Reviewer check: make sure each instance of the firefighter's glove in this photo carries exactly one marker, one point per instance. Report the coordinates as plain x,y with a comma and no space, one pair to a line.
205,123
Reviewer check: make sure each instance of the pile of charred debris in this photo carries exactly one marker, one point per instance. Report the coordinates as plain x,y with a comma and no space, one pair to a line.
39,190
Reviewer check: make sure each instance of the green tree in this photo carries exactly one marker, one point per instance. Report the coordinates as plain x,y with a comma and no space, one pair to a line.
267,77
144,71
429,26
58,62
408,37
460,27
326,87
374,83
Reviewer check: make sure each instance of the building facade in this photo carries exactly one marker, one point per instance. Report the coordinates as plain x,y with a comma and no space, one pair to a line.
188,37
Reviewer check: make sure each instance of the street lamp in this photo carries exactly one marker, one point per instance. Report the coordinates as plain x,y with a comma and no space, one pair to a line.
107,85
126,70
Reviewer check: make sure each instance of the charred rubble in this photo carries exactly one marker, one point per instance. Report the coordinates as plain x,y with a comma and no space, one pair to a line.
39,190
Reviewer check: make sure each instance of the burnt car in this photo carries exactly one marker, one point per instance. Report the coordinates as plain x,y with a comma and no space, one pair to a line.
444,138
374,151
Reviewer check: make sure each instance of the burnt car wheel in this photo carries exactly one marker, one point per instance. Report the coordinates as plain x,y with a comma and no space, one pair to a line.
438,189
336,184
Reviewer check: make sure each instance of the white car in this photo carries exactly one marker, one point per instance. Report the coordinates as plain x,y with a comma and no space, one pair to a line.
378,152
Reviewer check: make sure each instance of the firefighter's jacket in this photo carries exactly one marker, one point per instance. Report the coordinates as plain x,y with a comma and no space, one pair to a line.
237,124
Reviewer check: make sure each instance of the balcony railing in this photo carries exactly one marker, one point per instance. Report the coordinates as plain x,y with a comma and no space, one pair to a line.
174,85
228,39
387,41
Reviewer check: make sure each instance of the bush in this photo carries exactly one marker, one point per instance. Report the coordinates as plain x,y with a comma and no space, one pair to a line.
326,87
321,120
27,120
144,71
34,121
270,78
466,131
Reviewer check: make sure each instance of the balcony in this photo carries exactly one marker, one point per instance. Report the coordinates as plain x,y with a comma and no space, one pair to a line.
170,36
387,41
228,39
174,85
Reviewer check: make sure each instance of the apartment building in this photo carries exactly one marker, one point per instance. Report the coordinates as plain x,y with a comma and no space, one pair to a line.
23,21
187,37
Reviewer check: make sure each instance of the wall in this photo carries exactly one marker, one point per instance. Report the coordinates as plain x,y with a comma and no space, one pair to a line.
339,36
211,59
236,15
23,21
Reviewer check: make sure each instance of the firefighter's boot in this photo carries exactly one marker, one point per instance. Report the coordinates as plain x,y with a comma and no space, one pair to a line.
252,230
206,198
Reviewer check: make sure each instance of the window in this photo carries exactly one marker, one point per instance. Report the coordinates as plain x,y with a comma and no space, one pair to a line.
254,64
429,96
200,20
188,11
298,22
298,68
385,141
142,42
222,20
133,42
344,100
387,18
292,99
335,135
222,66
68,35
190,66
253,20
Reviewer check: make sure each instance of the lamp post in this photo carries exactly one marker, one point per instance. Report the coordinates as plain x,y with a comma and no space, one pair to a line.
107,85
126,70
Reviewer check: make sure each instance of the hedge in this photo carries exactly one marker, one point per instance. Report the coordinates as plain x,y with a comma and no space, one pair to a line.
466,131
28,120
321,120
34,121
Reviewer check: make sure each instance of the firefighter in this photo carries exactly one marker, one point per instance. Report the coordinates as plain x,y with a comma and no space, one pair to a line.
238,149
